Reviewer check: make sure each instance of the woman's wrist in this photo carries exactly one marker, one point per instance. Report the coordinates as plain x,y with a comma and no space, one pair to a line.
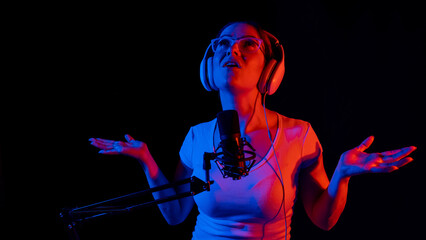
338,179
148,163
341,170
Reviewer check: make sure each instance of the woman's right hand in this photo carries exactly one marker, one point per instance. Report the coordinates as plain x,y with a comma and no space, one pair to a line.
131,148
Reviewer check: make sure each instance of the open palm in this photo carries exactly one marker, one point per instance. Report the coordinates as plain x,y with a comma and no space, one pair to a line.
131,147
356,161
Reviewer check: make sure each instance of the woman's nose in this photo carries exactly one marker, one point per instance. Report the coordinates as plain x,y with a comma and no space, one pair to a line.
233,49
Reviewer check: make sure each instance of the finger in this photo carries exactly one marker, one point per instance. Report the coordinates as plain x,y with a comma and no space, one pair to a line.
104,140
365,144
391,152
129,138
390,167
399,163
398,154
99,141
107,144
101,145
384,169
109,152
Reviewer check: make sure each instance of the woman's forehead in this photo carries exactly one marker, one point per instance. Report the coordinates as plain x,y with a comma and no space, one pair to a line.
238,30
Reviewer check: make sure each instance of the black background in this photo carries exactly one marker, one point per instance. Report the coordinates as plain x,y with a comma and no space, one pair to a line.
81,70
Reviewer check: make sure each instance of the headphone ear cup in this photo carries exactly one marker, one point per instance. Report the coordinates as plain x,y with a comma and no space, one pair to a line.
204,74
210,74
263,84
278,73
273,72
206,71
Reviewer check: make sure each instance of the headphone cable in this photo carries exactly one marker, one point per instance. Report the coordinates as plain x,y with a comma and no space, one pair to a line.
279,177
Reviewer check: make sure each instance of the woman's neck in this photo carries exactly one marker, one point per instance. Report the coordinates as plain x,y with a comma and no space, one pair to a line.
248,105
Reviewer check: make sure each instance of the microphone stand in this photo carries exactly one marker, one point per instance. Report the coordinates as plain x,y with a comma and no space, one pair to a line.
71,216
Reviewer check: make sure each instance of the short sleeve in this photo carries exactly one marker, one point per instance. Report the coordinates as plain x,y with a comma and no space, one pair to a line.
311,149
187,148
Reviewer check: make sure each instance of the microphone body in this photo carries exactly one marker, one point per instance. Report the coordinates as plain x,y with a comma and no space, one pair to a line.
233,160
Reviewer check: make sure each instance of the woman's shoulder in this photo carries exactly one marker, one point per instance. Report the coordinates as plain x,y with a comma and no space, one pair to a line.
204,127
287,122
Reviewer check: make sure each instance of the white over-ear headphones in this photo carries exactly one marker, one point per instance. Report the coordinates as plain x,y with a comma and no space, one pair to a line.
269,80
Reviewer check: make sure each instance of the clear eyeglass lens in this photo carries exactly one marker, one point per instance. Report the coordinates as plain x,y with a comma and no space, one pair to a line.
247,45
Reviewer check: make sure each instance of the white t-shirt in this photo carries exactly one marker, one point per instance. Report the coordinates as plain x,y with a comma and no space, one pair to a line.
247,208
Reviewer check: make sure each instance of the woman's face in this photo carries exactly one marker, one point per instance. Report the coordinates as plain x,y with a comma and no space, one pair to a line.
234,70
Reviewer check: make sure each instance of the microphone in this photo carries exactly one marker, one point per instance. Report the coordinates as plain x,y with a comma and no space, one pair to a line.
232,161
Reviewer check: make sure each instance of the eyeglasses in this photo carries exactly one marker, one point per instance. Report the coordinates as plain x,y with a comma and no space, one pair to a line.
245,44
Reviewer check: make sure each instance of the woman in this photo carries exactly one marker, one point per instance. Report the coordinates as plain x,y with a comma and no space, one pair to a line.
288,154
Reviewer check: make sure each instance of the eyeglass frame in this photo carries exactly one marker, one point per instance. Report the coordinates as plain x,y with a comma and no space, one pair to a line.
233,41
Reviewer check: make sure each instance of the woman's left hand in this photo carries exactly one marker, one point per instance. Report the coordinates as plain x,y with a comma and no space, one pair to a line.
356,161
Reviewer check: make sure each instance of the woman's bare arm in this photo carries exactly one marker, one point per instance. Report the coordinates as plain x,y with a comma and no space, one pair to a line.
175,211
324,201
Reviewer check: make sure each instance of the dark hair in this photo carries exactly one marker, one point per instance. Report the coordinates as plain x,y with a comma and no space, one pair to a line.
266,42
